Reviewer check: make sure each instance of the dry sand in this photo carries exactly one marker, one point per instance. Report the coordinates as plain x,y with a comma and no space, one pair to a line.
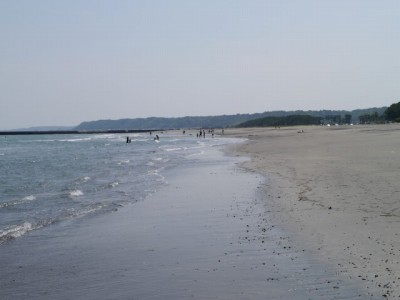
337,190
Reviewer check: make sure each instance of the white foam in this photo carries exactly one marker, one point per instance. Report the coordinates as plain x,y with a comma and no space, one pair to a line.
29,198
156,173
114,184
105,136
18,202
44,141
85,211
173,149
194,147
76,140
85,178
4,204
75,193
16,230
88,210
195,154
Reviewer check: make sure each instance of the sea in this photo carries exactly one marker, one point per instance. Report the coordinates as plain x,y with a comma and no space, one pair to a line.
50,179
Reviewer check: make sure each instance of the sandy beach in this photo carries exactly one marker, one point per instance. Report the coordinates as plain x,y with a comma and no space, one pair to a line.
336,190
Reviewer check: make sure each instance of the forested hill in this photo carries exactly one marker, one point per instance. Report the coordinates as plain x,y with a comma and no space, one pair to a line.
223,121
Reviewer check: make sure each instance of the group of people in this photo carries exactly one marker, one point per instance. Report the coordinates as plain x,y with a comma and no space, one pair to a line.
200,133
129,140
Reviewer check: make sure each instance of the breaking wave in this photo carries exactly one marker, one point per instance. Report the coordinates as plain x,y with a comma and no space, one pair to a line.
18,202
15,231
75,193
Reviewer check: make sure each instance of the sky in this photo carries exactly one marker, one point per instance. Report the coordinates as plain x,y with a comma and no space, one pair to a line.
65,62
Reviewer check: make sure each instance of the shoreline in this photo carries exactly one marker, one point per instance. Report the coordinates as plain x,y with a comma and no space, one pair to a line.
336,191
207,234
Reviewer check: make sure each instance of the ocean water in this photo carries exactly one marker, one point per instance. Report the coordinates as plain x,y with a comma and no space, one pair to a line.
48,179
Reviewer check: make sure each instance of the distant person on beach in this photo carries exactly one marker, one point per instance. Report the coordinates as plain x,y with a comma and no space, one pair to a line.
157,138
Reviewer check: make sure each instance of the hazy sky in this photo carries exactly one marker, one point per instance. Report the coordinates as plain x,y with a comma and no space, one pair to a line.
64,62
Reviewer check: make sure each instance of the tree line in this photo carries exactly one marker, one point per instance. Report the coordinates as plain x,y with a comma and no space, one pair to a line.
225,121
390,114
292,120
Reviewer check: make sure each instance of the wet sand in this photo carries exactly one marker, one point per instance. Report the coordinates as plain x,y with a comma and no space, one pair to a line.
337,191
209,234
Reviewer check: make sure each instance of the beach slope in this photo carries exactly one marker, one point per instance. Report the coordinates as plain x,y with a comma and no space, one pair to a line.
337,190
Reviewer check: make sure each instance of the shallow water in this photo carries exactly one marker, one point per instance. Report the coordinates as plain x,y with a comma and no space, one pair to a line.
47,179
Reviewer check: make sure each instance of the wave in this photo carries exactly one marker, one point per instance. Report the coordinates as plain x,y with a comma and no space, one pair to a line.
79,182
19,201
84,179
76,139
195,154
105,136
172,149
29,198
75,193
158,175
114,184
93,208
15,231
43,141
